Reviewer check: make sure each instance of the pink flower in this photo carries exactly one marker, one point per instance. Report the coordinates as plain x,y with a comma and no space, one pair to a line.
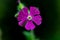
27,19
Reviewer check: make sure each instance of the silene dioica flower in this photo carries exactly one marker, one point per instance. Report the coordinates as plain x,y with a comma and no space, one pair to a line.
29,18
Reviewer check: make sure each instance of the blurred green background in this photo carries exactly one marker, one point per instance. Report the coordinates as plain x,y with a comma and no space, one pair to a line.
48,30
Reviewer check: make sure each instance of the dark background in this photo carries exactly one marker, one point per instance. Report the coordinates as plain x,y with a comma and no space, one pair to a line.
48,30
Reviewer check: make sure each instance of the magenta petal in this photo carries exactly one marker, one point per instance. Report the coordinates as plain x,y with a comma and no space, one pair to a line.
22,14
34,11
29,25
21,23
37,19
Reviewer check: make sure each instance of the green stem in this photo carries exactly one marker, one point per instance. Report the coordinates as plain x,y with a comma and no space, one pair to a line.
32,35
29,35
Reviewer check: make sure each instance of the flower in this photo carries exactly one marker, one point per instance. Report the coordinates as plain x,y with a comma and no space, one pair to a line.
27,19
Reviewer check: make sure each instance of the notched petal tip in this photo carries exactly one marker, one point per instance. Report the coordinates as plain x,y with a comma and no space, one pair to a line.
37,19
29,25
34,11
22,23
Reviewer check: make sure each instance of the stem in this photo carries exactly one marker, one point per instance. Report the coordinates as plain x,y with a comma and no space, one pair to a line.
32,35
29,35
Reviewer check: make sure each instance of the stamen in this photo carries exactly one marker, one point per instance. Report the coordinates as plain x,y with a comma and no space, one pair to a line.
29,17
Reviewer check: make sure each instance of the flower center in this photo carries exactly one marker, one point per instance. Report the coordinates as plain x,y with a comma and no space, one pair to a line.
29,17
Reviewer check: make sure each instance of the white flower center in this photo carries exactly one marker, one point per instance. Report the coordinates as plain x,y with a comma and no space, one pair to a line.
29,17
